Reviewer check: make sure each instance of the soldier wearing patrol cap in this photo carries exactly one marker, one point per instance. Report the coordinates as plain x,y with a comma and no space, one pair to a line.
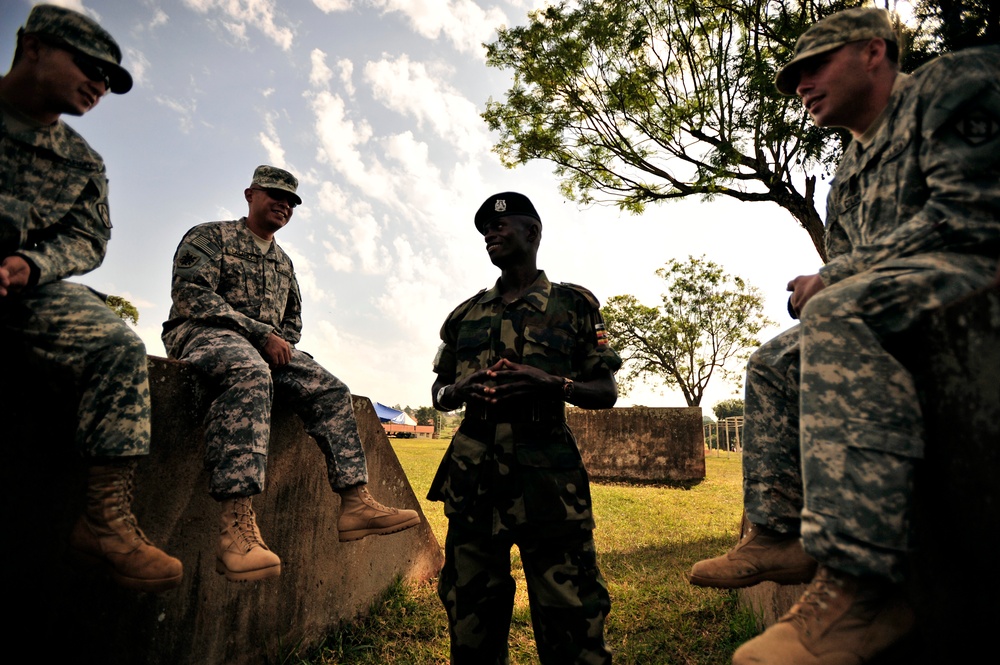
514,355
236,315
833,429
54,224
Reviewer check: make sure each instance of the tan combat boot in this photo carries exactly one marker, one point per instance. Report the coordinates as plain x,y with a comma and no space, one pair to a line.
242,555
761,555
839,620
107,533
361,515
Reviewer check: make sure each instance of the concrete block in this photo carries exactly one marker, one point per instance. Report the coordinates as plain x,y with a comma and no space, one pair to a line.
208,619
641,444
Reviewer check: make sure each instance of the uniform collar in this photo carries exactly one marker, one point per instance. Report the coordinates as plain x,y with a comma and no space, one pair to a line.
537,295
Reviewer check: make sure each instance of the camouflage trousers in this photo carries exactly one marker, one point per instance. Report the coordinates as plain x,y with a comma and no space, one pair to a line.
66,333
833,430
238,423
567,596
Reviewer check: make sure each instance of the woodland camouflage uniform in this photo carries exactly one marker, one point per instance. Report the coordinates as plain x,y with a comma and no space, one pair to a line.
913,222
514,475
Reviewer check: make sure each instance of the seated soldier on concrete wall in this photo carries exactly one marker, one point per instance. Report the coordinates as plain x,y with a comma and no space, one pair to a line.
833,428
54,223
236,315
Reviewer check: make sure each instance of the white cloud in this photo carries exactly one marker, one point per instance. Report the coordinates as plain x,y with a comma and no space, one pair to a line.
417,90
339,137
330,6
159,18
346,68
463,22
185,110
260,14
136,63
320,74
305,274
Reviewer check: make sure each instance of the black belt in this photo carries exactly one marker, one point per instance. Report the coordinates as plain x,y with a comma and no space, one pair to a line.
522,412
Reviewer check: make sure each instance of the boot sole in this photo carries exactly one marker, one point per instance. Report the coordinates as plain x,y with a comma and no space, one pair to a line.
796,576
247,575
90,560
358,534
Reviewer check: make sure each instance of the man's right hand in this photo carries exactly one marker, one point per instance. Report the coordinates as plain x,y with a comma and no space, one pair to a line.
14,275
277,351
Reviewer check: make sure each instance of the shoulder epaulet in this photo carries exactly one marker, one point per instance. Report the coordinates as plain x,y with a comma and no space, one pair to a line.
585,292
466,305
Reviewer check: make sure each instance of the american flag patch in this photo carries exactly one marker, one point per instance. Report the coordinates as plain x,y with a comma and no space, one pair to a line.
205,245
602,336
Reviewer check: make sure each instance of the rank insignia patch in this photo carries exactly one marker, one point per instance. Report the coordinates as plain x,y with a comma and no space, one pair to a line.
977,127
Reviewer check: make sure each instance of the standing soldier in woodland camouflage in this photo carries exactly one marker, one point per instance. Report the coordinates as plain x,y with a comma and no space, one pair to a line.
833,424
513,474
236,315
54,223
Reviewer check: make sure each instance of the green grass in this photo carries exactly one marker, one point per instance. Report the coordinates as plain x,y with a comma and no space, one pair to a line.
647,538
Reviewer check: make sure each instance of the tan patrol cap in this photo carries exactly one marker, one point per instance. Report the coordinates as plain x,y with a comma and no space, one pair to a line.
271,177
832,32
82,34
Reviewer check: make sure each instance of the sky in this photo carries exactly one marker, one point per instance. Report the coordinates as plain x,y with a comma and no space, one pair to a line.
375,105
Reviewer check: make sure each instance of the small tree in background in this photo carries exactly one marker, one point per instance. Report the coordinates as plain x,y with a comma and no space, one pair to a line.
728,408
706,318
124,309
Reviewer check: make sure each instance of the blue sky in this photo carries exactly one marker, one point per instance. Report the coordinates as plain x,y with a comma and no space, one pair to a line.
374,105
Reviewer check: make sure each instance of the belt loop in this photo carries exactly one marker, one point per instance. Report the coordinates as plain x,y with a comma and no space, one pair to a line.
484,413
536,412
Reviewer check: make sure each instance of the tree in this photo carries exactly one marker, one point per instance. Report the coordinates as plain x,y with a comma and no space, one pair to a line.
728,408
706,318
425,415
123,308
951,25
639,101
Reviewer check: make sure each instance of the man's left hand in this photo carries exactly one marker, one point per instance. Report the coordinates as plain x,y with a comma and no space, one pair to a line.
803,288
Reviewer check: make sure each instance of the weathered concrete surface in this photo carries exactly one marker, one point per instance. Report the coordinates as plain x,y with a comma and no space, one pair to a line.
955,359
207,620
641,444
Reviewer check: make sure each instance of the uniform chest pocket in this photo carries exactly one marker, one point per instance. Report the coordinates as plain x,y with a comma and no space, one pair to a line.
473,336
549,348
239,282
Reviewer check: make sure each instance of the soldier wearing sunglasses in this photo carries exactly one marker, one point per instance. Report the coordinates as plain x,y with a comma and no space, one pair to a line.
54,224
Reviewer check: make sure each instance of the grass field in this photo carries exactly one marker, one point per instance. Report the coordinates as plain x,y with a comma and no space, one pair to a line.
647,538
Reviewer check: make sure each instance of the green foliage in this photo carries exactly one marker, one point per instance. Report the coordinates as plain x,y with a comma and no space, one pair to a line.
124,309
639,101
706,318
425,415
950,25
728,407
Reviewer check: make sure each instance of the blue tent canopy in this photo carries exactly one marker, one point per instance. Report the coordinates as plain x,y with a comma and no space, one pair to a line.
387,414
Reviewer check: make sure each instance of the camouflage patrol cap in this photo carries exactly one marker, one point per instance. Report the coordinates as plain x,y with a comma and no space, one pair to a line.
271,177
504,204
79,33
832,32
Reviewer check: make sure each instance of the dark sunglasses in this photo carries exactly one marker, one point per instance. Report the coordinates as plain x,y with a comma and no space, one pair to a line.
279,195
92,70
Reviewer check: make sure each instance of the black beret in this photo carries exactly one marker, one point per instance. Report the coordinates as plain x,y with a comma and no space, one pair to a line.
504,204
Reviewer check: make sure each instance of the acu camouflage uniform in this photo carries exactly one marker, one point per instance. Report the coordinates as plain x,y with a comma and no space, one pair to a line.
913,222
514,475
54,214
228,297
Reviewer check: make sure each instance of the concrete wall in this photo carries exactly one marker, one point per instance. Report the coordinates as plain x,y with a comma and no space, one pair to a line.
207,620
955,359
641,444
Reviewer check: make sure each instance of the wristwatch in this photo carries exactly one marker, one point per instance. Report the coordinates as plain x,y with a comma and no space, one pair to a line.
440,395
567,389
